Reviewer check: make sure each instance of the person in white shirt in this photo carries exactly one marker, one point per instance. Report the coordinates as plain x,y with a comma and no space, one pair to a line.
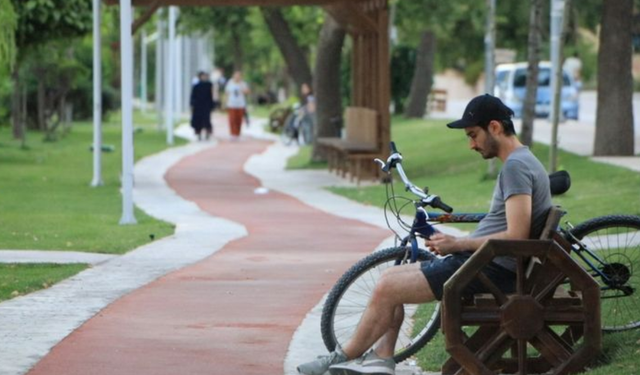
236,102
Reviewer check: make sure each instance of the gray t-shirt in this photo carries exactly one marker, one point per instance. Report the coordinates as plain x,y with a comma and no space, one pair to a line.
522,173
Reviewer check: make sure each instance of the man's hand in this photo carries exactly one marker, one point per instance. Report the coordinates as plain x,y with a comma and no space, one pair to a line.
443,244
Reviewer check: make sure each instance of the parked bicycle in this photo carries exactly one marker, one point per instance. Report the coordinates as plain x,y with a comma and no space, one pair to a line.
608,247
298,127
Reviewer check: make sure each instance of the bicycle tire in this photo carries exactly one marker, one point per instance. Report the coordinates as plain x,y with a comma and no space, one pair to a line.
616,239
289,132
359,281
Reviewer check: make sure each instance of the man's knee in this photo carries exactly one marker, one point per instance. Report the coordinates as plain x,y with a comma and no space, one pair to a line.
386,286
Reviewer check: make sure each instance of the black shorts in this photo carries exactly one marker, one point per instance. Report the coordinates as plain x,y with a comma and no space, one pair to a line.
439,270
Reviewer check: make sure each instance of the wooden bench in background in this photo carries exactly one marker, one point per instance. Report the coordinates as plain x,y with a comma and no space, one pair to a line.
353,155
437,101
534,330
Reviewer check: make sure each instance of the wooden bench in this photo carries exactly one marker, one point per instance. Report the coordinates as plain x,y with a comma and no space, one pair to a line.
354,154
534,330
437,101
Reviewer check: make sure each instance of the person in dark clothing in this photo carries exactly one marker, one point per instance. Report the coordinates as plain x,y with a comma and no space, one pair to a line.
201,106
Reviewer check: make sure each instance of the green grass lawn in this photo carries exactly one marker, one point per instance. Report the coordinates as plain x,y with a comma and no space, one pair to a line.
302,160
439,158
20,279
46,202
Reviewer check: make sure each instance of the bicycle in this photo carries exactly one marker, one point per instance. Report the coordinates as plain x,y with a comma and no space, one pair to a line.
607,246
298,127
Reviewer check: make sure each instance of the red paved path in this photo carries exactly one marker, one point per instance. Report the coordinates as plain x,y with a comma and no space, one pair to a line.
236,311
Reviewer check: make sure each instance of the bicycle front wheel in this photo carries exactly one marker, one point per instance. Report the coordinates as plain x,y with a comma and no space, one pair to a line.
289,131
348,299
614,239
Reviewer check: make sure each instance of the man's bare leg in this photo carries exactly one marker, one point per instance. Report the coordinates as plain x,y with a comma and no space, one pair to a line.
386,346
397,286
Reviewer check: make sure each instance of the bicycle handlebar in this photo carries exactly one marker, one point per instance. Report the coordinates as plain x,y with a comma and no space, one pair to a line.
395,161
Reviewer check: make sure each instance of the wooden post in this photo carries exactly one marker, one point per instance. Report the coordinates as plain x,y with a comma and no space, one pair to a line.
384,70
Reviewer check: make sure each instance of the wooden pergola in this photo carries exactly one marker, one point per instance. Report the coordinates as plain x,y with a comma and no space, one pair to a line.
367,23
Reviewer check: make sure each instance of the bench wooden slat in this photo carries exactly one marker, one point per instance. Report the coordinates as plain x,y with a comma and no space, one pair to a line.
354,153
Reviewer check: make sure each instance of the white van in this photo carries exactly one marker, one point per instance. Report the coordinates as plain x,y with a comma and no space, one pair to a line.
510,87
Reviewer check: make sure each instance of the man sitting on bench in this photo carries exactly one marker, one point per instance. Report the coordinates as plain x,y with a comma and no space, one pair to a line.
521,200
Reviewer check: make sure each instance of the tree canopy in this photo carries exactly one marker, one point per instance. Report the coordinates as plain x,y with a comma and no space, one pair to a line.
8,25
41,21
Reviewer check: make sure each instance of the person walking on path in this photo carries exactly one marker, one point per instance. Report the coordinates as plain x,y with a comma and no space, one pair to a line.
521,200
236,102
201,106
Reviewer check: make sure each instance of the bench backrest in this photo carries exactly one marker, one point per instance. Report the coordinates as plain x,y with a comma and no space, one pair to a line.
361,125
552,223
540,271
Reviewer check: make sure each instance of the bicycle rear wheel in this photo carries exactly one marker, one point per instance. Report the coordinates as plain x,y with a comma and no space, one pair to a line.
616,240
289,131
348,299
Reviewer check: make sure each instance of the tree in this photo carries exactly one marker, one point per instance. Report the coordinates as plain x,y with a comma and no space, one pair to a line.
529,106
327,82
422,76
41,21
8,25
241,40
231,26
455,27
293,54
614,117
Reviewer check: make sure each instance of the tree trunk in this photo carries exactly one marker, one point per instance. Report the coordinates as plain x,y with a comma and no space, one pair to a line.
422,80
238,54
614,117
23,117
16,107
327,83
42,121
529,105
293,55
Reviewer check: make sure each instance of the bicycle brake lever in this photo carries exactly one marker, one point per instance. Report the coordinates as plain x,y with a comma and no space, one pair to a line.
382,164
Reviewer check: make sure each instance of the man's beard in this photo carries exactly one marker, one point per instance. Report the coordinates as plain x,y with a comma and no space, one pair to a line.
490,148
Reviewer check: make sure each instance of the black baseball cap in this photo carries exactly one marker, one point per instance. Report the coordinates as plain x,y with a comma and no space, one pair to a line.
481,110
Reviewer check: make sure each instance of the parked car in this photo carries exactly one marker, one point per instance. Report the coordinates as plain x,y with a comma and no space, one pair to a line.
511,87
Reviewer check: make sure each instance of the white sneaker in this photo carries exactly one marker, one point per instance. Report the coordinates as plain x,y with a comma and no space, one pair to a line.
369,364
321,365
